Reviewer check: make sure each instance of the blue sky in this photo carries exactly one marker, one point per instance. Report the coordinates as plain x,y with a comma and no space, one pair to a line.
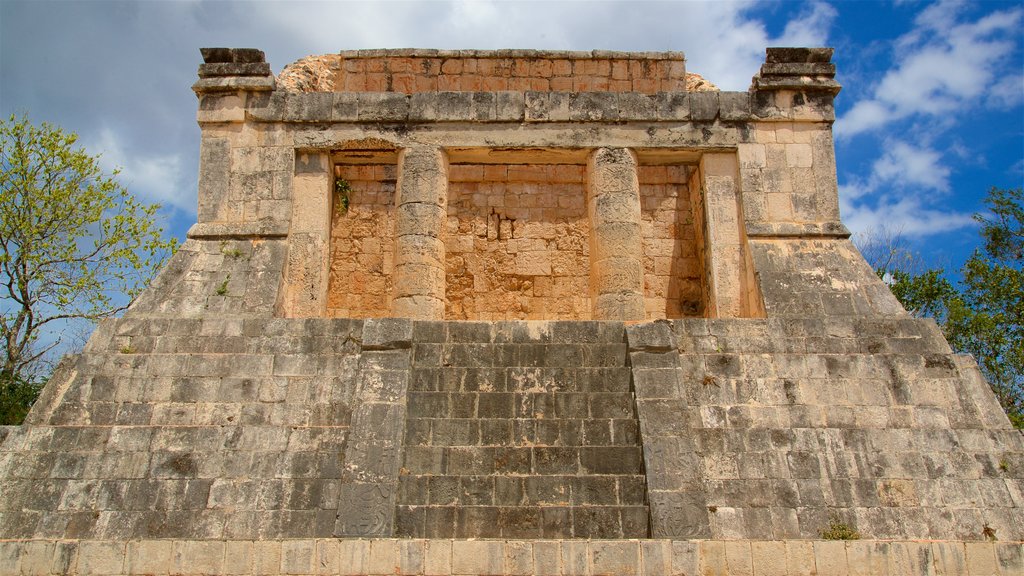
931,114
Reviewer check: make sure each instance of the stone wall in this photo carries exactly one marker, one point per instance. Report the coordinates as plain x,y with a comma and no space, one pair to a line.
412,71
226,424
362,245
517,242
672,254
446,557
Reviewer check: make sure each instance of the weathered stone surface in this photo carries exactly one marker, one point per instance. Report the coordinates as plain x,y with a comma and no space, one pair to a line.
238,419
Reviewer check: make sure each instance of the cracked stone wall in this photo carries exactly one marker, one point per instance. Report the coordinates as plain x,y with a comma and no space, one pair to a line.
362,243
672,258
516,242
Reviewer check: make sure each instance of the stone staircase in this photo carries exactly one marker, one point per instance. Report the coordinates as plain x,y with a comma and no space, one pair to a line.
521,431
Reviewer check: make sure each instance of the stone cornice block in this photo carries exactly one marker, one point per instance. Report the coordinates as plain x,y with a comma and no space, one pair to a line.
797,69
234,84
224,230
778,55
794,230
704,106
231,69
232,55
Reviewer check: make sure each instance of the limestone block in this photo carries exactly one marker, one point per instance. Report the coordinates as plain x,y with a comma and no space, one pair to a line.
704,106
421,250
418,307
608,557
221,107
148,557
751,156
738,558
422,176
509,106
636,106
546,106
353,557
591,106
198,557
575,557
345,107
616,238
383,107
214,173
618,275
734,106
383,557
418,219
830,558
437,557
799,155
607,208
712,558
419,280
97,557
768,558
519,558
800,557
485,558
981,558
673,105
309,107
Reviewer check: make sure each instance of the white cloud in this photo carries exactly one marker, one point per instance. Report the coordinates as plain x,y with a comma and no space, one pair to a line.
943,66
907,215
900,193
721,40
151,178
1007,92
905,165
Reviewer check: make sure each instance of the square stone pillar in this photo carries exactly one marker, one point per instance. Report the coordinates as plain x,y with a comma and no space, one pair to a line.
730,285
616,245
421,210
306,273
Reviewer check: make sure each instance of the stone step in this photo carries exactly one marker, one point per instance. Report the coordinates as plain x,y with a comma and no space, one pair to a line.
522,521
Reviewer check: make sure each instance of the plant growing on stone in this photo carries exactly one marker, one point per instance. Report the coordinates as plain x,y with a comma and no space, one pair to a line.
222,290
76,245
342,190
838,530
982,314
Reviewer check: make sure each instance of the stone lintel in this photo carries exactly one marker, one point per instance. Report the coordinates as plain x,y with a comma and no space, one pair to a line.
238,230
797,230
227,69
234,84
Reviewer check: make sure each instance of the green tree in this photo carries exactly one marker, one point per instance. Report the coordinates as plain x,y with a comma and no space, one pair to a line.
986,318
983,314
76,246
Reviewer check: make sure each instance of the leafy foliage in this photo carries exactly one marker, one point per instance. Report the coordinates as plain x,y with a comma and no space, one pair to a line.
839,531
16,398
74,243
984,314
987,319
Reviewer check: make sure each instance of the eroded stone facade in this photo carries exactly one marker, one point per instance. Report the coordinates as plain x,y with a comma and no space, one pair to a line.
457,346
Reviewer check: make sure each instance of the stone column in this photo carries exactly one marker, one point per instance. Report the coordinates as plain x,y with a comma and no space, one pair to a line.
616,247
724,251
422,204
309,241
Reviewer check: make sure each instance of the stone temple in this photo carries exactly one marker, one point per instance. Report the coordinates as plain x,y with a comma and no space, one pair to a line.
514,312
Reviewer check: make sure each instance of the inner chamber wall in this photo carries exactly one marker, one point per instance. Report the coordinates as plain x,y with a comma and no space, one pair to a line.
516,240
